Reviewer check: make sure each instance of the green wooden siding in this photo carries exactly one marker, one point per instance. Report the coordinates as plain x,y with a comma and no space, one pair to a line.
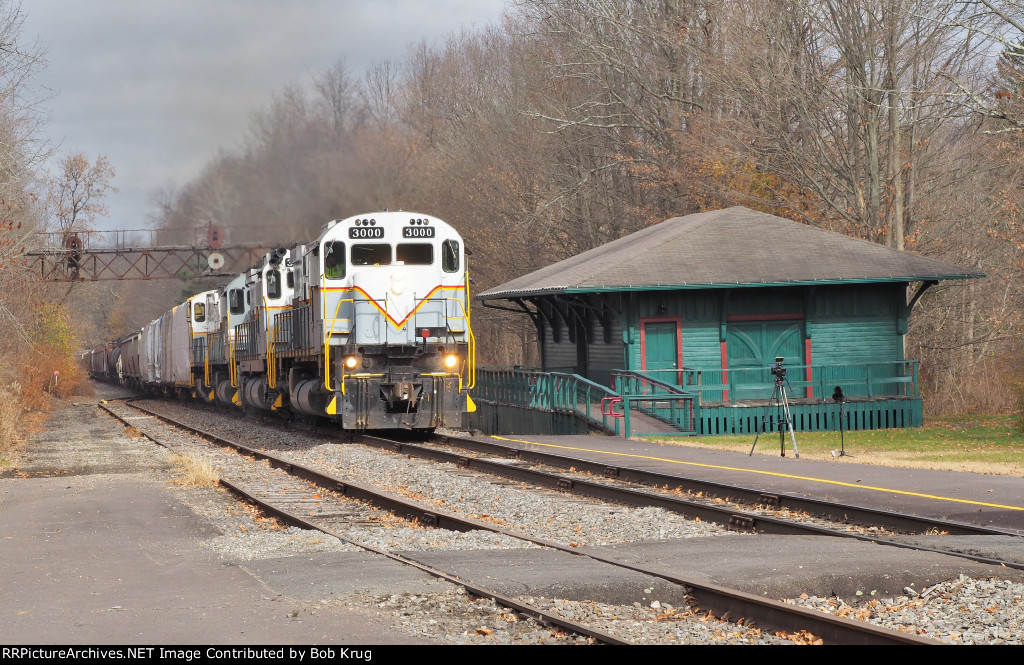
558,356
834,342
701,346
605,356
847,325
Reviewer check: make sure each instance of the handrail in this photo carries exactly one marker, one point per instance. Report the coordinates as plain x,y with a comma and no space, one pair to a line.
660,400
206,362
232,364
596,403
271,359
471,338
627,375
327,343
896,378
468,375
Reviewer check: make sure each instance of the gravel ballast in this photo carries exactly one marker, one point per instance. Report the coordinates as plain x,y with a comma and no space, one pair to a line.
959,611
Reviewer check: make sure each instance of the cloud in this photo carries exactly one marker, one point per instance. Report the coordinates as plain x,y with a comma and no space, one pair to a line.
159,86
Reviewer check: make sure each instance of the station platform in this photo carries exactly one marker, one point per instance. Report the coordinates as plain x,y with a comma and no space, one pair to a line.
982,499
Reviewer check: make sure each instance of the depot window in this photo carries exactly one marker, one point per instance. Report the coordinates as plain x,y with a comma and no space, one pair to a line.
334,260
274,284
368,255
414,253
450,256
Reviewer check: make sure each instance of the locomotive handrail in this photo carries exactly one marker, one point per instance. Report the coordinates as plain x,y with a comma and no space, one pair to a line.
232,364
471,346
206,363
271,359
468,375
327,345
470,365
271,363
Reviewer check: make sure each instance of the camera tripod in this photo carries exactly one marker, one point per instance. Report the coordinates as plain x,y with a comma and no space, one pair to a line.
780,402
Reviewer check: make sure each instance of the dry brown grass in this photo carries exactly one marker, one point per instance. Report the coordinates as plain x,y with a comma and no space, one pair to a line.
38,378
194,471
11,432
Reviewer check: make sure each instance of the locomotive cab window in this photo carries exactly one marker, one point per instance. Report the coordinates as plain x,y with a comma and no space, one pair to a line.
235,303
414,254
334,260
274,284
450,256
368,255
200,312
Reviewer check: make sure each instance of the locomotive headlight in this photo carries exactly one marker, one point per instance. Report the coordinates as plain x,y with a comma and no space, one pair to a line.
351,362
451,360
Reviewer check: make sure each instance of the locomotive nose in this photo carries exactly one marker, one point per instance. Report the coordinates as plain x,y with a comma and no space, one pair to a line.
398,281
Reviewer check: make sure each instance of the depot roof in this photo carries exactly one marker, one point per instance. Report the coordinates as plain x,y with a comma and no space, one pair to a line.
733,247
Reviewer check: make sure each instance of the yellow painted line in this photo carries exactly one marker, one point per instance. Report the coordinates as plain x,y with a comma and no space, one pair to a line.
766,473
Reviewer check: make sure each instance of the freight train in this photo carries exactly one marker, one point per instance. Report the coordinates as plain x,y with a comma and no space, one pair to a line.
367,326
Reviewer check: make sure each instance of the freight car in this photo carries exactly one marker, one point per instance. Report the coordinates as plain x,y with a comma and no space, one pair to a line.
367,326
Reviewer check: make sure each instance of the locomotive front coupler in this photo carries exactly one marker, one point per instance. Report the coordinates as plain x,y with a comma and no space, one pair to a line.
400,388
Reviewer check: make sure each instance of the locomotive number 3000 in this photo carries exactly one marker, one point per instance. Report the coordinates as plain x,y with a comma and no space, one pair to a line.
417,231
366,232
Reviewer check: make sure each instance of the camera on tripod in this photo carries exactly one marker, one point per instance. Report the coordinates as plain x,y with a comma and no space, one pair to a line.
783,420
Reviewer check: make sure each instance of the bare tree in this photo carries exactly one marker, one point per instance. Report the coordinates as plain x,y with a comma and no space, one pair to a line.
850,100
78,192
1002,97
337,94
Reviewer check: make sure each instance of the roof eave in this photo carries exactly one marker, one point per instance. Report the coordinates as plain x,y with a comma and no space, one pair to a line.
509,295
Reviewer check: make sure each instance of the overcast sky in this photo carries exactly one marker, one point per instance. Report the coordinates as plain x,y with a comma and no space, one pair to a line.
158,86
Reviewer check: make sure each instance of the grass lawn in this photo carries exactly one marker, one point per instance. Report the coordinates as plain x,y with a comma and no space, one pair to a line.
980,444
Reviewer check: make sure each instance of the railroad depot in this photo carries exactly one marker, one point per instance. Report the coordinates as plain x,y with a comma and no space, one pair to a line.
676,328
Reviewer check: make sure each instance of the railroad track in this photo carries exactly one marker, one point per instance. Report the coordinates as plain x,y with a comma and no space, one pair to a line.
326,505
742,508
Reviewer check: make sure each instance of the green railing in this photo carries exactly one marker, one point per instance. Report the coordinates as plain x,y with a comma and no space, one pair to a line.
657,399
550,391
875,380
615,411
880,396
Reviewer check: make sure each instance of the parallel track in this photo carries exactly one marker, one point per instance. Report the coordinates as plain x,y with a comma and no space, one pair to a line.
768,614
829,510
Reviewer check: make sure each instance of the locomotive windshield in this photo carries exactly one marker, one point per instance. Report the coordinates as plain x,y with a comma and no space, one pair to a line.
200,314
414,254
368,255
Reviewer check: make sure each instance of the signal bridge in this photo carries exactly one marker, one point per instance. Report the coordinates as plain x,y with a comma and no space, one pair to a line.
141,254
